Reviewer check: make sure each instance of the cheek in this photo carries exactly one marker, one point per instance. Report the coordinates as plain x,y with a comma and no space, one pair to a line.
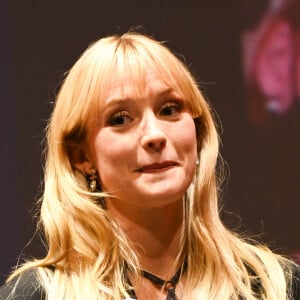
107,146
109,154
187,138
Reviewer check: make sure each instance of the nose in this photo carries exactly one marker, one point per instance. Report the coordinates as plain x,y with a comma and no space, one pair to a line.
153,135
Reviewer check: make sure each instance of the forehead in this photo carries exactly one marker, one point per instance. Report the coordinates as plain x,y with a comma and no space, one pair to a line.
128,87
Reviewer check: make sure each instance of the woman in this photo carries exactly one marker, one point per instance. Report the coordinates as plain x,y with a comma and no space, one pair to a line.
271,63
130,203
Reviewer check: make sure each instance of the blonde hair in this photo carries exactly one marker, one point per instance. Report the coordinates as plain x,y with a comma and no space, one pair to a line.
88,254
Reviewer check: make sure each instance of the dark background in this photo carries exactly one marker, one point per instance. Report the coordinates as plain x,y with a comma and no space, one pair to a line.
40,40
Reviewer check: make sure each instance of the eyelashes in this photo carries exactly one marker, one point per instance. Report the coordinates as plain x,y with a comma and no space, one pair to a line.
171,109
120,118
167,111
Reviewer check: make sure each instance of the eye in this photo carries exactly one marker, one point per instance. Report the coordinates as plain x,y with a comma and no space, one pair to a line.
121,118
171,109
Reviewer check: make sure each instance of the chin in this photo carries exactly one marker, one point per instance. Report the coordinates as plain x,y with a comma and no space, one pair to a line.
162,198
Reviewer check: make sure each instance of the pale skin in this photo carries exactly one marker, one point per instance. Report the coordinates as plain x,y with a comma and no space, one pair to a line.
144,149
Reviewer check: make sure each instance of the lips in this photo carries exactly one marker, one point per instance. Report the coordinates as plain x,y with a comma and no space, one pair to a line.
157,167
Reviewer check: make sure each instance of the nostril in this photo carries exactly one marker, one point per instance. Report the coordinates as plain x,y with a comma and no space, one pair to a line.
157,146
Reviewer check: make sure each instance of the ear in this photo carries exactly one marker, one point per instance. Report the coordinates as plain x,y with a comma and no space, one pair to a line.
80,158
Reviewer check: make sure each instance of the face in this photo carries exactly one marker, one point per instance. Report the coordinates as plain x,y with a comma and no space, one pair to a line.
144,146
274,68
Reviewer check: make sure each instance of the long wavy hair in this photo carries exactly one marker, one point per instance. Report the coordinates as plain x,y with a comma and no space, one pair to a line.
88,255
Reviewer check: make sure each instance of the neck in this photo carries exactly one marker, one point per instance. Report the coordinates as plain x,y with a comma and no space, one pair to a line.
154,233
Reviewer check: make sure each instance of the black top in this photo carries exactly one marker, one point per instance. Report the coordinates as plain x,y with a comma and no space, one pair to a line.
27,287
23,287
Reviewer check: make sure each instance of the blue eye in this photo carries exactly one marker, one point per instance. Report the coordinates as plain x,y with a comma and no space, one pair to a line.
171,109
119,119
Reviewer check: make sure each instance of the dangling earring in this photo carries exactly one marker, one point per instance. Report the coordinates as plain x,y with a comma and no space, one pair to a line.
92,180
95,186
197,162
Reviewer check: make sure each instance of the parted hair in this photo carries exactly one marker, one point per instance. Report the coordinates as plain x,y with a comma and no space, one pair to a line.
88,255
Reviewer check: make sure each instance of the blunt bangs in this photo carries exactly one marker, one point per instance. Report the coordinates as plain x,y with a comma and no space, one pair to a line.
124,60
129,60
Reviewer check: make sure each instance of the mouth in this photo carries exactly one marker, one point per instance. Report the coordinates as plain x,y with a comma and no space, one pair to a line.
157,167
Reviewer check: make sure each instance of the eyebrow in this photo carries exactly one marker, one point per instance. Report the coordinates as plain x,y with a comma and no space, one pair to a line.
117,101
